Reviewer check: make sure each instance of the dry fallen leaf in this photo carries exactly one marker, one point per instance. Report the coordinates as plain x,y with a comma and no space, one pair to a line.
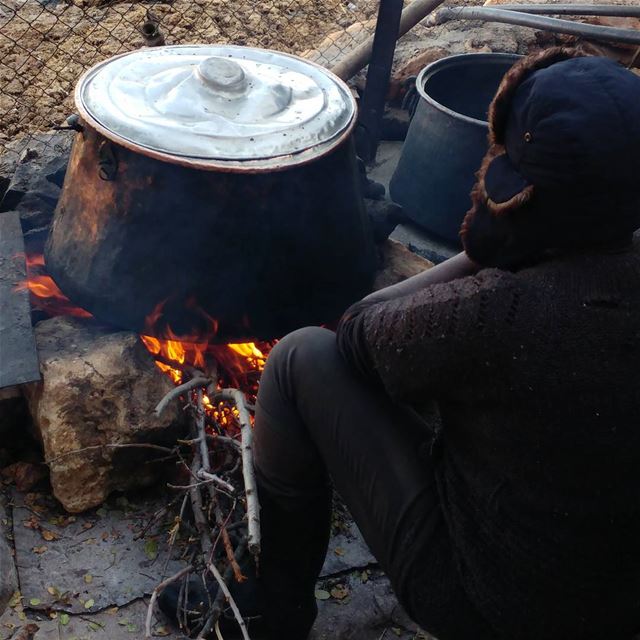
339,551
49,535
39,550
321,594
339,592
88,578
16,599
151,549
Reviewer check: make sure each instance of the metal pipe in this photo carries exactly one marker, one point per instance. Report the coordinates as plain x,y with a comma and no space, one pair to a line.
359,58
377,85
613,10
152,35
590,31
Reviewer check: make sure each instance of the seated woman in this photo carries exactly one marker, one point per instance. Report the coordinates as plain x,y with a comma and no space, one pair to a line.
518,517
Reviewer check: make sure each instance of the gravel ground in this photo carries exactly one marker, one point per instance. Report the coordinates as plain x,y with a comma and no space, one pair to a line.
46,44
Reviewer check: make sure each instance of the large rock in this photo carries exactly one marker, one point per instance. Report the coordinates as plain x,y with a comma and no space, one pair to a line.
98,388
31,175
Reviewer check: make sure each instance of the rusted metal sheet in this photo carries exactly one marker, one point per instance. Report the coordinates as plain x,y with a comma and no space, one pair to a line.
18,355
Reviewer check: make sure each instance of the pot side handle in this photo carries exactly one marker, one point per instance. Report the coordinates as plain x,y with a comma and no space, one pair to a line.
73,124
107,161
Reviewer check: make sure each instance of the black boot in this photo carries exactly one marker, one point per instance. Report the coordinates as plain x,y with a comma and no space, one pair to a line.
295,536
199,595
278,597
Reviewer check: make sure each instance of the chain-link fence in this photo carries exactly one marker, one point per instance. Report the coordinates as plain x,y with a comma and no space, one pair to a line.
45,45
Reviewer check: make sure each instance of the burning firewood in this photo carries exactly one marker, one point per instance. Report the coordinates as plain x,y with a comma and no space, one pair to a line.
221,437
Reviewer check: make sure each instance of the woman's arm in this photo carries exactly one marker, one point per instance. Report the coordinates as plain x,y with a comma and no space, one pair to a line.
420,344
351,332
456,267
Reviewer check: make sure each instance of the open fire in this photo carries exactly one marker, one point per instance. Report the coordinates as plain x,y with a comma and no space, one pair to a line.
217,385
236,365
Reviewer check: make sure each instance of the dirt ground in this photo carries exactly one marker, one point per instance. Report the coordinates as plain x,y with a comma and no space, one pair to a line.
45,45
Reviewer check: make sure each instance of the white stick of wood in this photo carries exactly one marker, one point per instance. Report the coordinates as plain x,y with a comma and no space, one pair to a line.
178,391
229,597
248,473
212,477
154,596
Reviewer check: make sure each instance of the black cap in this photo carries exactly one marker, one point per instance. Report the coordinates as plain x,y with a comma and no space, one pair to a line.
573,128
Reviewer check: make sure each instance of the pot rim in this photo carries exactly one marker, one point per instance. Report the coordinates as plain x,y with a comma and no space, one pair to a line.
456,60
265,165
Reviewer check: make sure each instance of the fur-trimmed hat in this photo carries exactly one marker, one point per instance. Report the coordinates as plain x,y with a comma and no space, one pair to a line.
563,165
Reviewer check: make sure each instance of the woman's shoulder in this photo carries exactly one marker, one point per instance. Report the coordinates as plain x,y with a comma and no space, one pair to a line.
579,274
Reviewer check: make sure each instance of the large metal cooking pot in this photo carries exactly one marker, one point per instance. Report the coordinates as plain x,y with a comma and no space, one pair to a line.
447,140
212,189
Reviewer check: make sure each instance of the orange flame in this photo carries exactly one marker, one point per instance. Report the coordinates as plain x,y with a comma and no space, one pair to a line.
46,295
189,349
236,364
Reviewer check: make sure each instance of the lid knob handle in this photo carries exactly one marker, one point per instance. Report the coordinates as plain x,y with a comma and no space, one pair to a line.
220,74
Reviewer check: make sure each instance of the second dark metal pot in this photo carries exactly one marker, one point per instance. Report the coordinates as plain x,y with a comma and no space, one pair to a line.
447,140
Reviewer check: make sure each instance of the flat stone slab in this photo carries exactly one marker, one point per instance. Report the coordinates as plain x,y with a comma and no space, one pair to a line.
88,562
8,577
362,606
365,610
347,551
89,576
116,623
18,357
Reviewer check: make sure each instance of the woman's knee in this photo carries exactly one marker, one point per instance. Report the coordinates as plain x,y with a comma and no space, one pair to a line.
296,363
309,345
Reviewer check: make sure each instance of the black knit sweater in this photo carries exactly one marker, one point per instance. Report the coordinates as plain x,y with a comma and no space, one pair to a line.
537,377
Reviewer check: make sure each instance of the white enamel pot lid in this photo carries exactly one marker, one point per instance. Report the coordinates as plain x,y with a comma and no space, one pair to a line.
218,106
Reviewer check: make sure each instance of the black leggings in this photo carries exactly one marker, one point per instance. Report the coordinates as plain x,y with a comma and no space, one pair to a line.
315,420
